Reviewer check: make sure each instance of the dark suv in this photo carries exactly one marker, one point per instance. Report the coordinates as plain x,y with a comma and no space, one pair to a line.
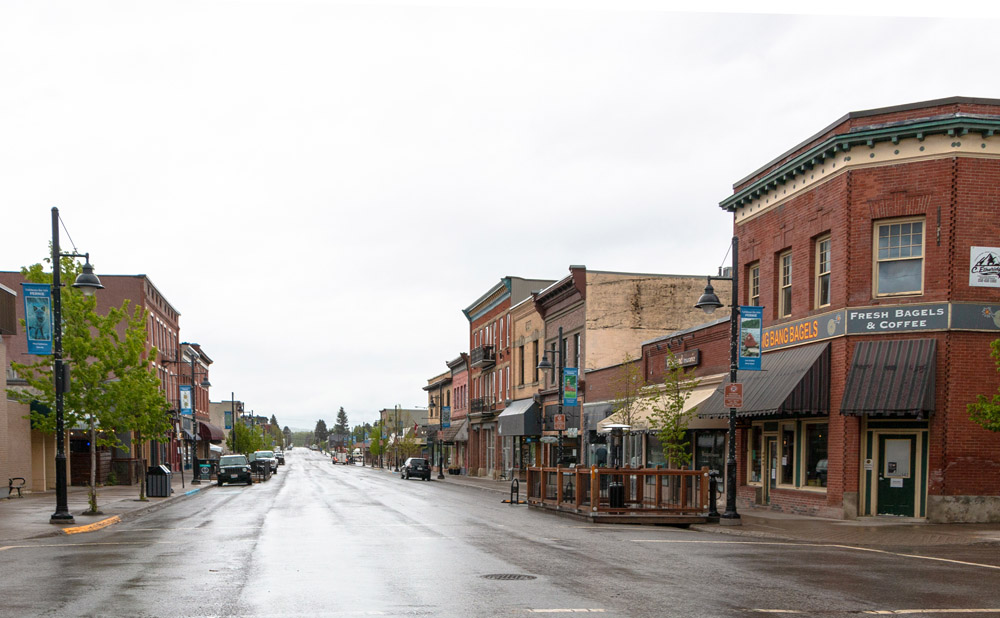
415,466
234,469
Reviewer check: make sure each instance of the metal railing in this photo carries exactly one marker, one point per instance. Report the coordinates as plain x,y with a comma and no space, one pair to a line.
482,357
624,490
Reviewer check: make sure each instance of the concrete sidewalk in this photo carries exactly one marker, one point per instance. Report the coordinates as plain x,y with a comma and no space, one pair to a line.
766,524
28,517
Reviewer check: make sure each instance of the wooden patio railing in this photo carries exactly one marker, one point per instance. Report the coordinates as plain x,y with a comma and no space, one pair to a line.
640,491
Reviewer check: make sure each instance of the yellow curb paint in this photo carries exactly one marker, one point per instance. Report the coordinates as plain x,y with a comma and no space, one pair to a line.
94,526
8,547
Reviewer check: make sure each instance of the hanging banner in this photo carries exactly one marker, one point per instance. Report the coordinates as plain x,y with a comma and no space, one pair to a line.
751,326
445,417
229,419
570,377
185,392
38,317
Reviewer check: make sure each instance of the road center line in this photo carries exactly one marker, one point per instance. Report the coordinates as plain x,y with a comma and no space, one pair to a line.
793,544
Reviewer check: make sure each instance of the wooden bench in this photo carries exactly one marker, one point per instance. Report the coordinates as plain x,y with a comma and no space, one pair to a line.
15,484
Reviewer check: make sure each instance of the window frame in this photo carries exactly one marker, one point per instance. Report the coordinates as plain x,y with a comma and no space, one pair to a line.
819,273
784,307
784,483
753,284
876,225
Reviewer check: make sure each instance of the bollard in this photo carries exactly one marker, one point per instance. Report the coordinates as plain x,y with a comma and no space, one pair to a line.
713,485
515,490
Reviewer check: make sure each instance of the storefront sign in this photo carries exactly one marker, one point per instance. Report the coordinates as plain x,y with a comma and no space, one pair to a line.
751,323
687,358
570,376
38,317
975,317
185,396
816,328
984,267
901,318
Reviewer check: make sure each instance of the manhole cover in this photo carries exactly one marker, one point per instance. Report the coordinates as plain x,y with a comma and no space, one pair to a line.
508,576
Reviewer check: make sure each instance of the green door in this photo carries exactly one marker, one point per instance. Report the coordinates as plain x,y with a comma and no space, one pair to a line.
897,474
771,466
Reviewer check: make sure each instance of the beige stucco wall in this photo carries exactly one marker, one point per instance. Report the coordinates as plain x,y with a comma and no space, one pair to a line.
625,309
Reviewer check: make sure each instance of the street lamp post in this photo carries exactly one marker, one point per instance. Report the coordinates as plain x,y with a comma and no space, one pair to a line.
395,455
88,283
709,302
546,365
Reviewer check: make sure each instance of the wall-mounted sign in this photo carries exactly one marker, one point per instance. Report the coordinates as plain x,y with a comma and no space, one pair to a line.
815,328
984,267
975,317
900,318
38,317
751,326
687,358
570,377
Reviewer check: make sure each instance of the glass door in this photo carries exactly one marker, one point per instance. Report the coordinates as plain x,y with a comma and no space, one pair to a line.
896,483
772,459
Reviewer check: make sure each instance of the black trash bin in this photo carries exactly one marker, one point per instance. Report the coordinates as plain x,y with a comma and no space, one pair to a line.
158,481
616,495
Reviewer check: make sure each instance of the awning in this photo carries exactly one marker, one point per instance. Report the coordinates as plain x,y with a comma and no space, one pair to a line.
187,435
449,435
520,418
214,448
594,413
792,382
210,432
644,410
891,378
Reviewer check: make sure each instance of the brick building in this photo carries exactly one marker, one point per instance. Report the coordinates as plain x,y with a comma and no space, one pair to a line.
489,368
455,437
869,245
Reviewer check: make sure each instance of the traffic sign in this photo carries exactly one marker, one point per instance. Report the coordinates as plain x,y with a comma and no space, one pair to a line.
559,422
733,395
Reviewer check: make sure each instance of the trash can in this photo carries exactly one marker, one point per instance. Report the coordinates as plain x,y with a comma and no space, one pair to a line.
616,495
158,481
206,471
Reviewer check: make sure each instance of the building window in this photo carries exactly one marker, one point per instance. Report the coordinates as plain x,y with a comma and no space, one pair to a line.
814,454
520,366
823,272
576,350
899,257
754,285
552,374
787,465
754,456
534,355
785,285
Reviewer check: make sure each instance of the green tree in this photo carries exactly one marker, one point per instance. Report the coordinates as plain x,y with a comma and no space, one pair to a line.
112,389
379,443
341,428
630,399
245,439
321,433
669,419
986,410
288,436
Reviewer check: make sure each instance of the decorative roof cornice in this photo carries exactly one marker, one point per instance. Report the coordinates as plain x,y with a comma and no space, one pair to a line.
955,126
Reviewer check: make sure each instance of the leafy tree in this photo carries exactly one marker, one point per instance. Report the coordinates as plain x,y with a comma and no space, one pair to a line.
341,428
288,435
321,433
669,419
409,446
629,397
112,389
245,439
379,444
986,410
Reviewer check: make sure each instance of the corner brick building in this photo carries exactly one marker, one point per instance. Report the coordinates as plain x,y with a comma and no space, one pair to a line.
872,248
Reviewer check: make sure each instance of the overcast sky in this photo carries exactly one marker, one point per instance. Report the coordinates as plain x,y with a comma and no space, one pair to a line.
321,187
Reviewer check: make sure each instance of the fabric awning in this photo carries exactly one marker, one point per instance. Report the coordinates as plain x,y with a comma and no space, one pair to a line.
644,409
594,413
187,435
891,378
210,432
450,435
520,418
792,382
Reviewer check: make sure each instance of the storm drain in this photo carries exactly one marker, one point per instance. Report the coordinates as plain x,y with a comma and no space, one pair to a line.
508,577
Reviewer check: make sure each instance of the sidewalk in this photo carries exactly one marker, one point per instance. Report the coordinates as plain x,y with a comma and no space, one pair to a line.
28,517
766,524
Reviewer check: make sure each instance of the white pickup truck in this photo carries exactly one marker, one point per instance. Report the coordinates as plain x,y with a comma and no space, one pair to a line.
340,458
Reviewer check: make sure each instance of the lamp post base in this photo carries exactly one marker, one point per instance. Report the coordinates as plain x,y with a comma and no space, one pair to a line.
62,518
730,519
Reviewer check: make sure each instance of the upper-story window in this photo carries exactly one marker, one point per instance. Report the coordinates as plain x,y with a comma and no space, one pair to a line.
899,257
785,284
754,285
823,272
576,350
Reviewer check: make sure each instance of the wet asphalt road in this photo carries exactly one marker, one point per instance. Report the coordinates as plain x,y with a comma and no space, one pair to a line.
325,540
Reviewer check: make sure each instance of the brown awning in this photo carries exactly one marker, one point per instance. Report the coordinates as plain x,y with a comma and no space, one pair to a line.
210,432
792,382
891,378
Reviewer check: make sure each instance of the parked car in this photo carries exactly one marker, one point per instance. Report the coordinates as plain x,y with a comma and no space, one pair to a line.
234,469
280,456
415,466
266,455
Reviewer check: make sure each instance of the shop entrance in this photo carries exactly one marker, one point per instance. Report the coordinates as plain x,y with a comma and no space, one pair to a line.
772,459
897,455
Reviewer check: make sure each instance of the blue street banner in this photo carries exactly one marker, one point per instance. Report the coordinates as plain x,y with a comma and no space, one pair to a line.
570,377
445,417
751,326
229,419
38,317
186,407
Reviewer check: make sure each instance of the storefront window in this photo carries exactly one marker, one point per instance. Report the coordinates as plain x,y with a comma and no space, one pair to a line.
787,455
815,454
756,446
654,452
710,450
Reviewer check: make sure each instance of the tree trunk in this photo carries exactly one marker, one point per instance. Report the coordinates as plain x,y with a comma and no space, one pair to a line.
142,468
93,466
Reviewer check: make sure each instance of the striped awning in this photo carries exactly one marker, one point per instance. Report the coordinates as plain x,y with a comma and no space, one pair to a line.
891,378
792,382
